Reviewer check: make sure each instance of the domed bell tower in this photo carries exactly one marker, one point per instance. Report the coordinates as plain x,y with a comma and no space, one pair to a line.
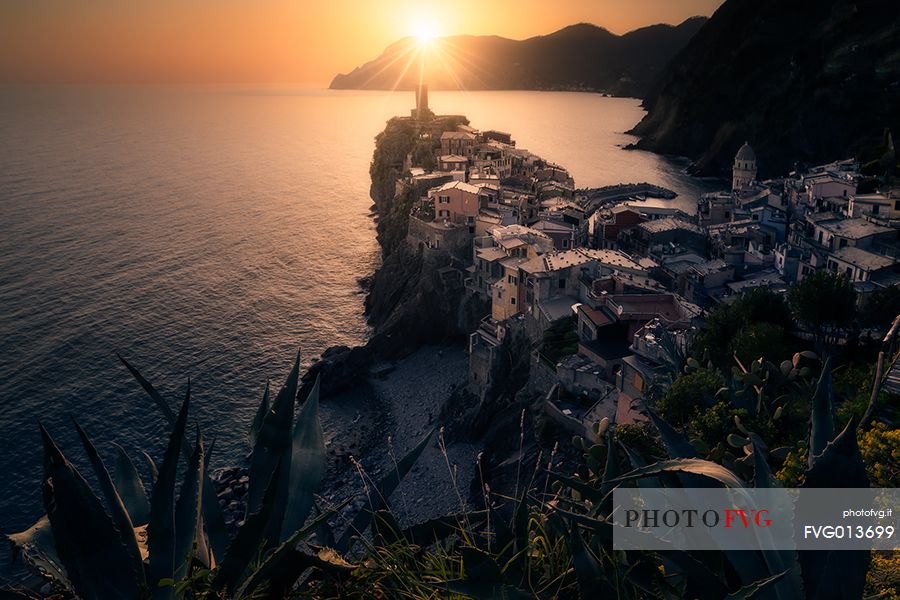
744,170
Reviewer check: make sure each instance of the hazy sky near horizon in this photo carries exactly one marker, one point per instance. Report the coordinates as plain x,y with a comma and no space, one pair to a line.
271,41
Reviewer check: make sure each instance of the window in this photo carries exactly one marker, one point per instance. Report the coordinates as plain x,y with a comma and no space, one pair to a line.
843,243
444,214
444,199
562,283
512,300
875,208
896,204
512,279
565,243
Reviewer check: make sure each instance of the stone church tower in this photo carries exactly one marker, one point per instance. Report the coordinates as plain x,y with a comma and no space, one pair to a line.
744,170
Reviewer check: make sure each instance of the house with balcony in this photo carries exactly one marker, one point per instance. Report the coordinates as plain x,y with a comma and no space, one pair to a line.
459,143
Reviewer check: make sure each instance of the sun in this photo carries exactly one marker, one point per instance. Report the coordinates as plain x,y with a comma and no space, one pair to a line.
424,31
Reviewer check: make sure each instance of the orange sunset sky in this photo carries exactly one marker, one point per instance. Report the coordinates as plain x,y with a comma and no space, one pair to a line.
270,41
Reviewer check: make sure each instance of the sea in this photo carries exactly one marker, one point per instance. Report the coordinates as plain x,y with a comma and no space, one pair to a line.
207,234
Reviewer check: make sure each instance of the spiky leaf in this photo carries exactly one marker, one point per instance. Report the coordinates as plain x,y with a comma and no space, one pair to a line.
821,422
114,504
261,412
131,488
694,466
273,443
307,464
161,528
188,511
86,539
39,548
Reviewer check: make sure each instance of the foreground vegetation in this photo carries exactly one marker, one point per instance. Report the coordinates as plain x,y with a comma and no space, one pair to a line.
797,418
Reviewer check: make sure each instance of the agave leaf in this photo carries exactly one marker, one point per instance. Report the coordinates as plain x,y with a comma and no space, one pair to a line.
273,444
154,472
483,577
39,549
821,421
587,567
582,487
87,542
307,464
480,566
749,591
259,416
695,466
701,581
600,527
636,463
161,528
836,574
520,522
279,560
503,544
611,471
213,519
151,391
120,516
383,491
293,562
677,445
434,530
386,529
247,542
131,488
188,511
484,590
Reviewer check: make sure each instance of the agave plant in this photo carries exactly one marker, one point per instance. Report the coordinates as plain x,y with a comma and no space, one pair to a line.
559,544
125,543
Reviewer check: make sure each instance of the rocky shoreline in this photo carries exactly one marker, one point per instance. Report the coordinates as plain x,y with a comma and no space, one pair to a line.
374,425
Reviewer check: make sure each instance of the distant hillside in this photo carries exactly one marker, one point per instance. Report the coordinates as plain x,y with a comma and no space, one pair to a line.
808,80
581,56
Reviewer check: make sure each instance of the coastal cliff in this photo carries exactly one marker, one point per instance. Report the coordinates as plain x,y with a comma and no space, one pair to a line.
802,81
581,57
411,301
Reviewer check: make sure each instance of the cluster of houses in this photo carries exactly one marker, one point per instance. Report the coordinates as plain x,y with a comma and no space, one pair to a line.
632,280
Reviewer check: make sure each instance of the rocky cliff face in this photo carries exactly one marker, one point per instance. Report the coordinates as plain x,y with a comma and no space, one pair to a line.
807,80
409,302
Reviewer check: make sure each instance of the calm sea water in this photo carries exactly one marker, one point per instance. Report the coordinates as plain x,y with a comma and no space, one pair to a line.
210,233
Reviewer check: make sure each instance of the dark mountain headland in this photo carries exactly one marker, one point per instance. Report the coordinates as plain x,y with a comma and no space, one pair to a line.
578,57
804,80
